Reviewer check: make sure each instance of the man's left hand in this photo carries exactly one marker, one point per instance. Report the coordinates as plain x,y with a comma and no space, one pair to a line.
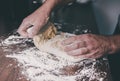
87,46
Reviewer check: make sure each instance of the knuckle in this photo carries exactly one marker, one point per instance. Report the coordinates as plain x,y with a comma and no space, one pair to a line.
73,38
82,51
90,47
78,37
88,35
24,20
66,49
19,31
77,45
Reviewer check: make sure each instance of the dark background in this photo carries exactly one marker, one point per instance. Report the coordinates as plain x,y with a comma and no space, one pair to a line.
12,13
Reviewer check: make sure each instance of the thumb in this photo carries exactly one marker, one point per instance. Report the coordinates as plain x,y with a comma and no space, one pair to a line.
33,31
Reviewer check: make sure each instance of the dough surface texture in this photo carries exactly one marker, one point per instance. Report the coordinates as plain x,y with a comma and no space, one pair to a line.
49,42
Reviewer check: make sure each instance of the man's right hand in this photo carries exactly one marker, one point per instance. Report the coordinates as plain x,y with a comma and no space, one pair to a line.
37,19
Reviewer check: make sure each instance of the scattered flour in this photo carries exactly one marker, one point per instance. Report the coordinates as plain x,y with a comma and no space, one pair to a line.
38,64
14,39
41,66
54,46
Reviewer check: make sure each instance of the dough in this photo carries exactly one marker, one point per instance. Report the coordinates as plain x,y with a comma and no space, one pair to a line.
51,43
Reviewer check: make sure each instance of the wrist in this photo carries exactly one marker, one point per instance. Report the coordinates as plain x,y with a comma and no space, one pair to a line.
50,4
47,7
112,45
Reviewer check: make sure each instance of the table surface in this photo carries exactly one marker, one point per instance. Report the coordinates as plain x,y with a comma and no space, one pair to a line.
9,71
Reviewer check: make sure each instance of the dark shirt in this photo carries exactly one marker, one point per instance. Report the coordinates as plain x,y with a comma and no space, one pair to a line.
115,58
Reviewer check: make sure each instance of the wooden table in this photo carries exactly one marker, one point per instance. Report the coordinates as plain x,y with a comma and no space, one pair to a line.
9,71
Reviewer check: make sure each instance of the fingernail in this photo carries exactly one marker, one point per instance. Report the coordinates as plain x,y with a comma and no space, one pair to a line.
29,30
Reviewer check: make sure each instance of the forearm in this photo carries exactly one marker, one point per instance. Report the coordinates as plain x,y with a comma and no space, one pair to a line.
47,7
114,43
50,4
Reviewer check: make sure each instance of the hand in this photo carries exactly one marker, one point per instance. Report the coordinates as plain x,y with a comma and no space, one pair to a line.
37,19
87,46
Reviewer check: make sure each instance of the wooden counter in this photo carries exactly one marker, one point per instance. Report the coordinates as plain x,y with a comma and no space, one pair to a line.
10,71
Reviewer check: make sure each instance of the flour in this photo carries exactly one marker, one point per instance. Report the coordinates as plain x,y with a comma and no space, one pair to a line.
13,39
41,66
54,46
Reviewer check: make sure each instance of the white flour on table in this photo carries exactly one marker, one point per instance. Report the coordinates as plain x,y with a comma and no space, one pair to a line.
41,66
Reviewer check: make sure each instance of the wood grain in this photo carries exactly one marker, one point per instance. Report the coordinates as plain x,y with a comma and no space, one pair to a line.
9,71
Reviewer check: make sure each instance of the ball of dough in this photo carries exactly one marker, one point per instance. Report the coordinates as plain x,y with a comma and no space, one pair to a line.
54,46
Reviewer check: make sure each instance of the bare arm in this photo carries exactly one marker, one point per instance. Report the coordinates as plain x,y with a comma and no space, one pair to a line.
38,18
114,43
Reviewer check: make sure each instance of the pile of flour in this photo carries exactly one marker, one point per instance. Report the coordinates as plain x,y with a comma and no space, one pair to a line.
41,66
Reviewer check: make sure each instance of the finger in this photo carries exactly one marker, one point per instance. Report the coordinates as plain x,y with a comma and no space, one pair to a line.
68,41
77,52
70,47
34,31
22,30
75,45
92,55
